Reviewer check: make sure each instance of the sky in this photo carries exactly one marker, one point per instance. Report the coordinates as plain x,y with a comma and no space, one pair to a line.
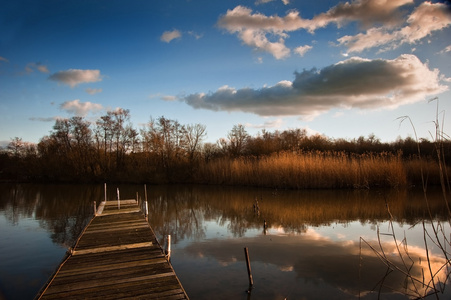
343,69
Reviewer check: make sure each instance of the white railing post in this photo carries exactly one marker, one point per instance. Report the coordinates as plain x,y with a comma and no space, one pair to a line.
168,251
118,200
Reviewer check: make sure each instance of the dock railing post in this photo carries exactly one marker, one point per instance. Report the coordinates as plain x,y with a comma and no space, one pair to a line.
104,187
249,271
146,212
118,200
95,209
168,250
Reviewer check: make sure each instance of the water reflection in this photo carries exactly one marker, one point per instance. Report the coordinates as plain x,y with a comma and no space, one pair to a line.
309,249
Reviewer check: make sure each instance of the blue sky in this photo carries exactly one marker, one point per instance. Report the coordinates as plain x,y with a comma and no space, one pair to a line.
342,69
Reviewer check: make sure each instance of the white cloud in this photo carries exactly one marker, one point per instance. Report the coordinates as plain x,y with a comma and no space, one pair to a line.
254,28
77,108
352,83
301,50
73,77
423,21
93,91
447,49
169,98
168,36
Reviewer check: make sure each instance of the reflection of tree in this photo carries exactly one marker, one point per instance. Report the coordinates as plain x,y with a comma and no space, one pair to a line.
63,210
179,210
183,210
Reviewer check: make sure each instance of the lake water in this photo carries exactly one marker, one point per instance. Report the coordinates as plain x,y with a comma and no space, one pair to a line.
316,245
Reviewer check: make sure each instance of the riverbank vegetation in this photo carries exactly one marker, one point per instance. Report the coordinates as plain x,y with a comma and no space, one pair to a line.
165,151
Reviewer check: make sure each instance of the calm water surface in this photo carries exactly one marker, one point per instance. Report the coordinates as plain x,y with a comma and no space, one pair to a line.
317,244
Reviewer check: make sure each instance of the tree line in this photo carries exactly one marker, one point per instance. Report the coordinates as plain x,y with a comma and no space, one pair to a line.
165,151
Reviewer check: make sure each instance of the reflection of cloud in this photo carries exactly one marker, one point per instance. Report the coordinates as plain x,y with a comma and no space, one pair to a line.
286,269
74,77
313,257
352,83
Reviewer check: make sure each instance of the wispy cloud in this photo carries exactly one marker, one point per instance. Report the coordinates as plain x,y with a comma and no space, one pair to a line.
3,59
352,83
30,67
92,91
74,77
41,119
267,124
196,35
168,36
77,108
258,2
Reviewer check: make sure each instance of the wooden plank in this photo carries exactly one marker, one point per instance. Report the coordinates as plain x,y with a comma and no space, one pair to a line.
121,211
112,248
110,267
117,257
123,202
101,283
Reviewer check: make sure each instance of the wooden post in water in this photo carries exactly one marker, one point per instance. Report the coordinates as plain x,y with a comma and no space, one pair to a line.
249,271
95,209
168,250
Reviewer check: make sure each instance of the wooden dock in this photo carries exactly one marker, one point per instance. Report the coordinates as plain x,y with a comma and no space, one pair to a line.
116,257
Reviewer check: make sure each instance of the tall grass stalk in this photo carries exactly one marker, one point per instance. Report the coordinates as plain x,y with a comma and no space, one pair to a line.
435,236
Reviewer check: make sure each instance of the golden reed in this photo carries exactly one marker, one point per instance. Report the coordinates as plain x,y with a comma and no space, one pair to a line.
307,170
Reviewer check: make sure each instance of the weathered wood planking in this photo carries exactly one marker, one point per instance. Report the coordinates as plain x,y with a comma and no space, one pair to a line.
116,257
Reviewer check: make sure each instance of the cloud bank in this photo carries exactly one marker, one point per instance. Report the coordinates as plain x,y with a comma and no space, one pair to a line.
74,77
352,83
81,109
269,33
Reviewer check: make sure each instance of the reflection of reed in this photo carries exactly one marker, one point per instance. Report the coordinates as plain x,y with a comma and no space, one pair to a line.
185,207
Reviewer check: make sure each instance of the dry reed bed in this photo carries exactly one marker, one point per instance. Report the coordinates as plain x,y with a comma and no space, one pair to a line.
308,170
